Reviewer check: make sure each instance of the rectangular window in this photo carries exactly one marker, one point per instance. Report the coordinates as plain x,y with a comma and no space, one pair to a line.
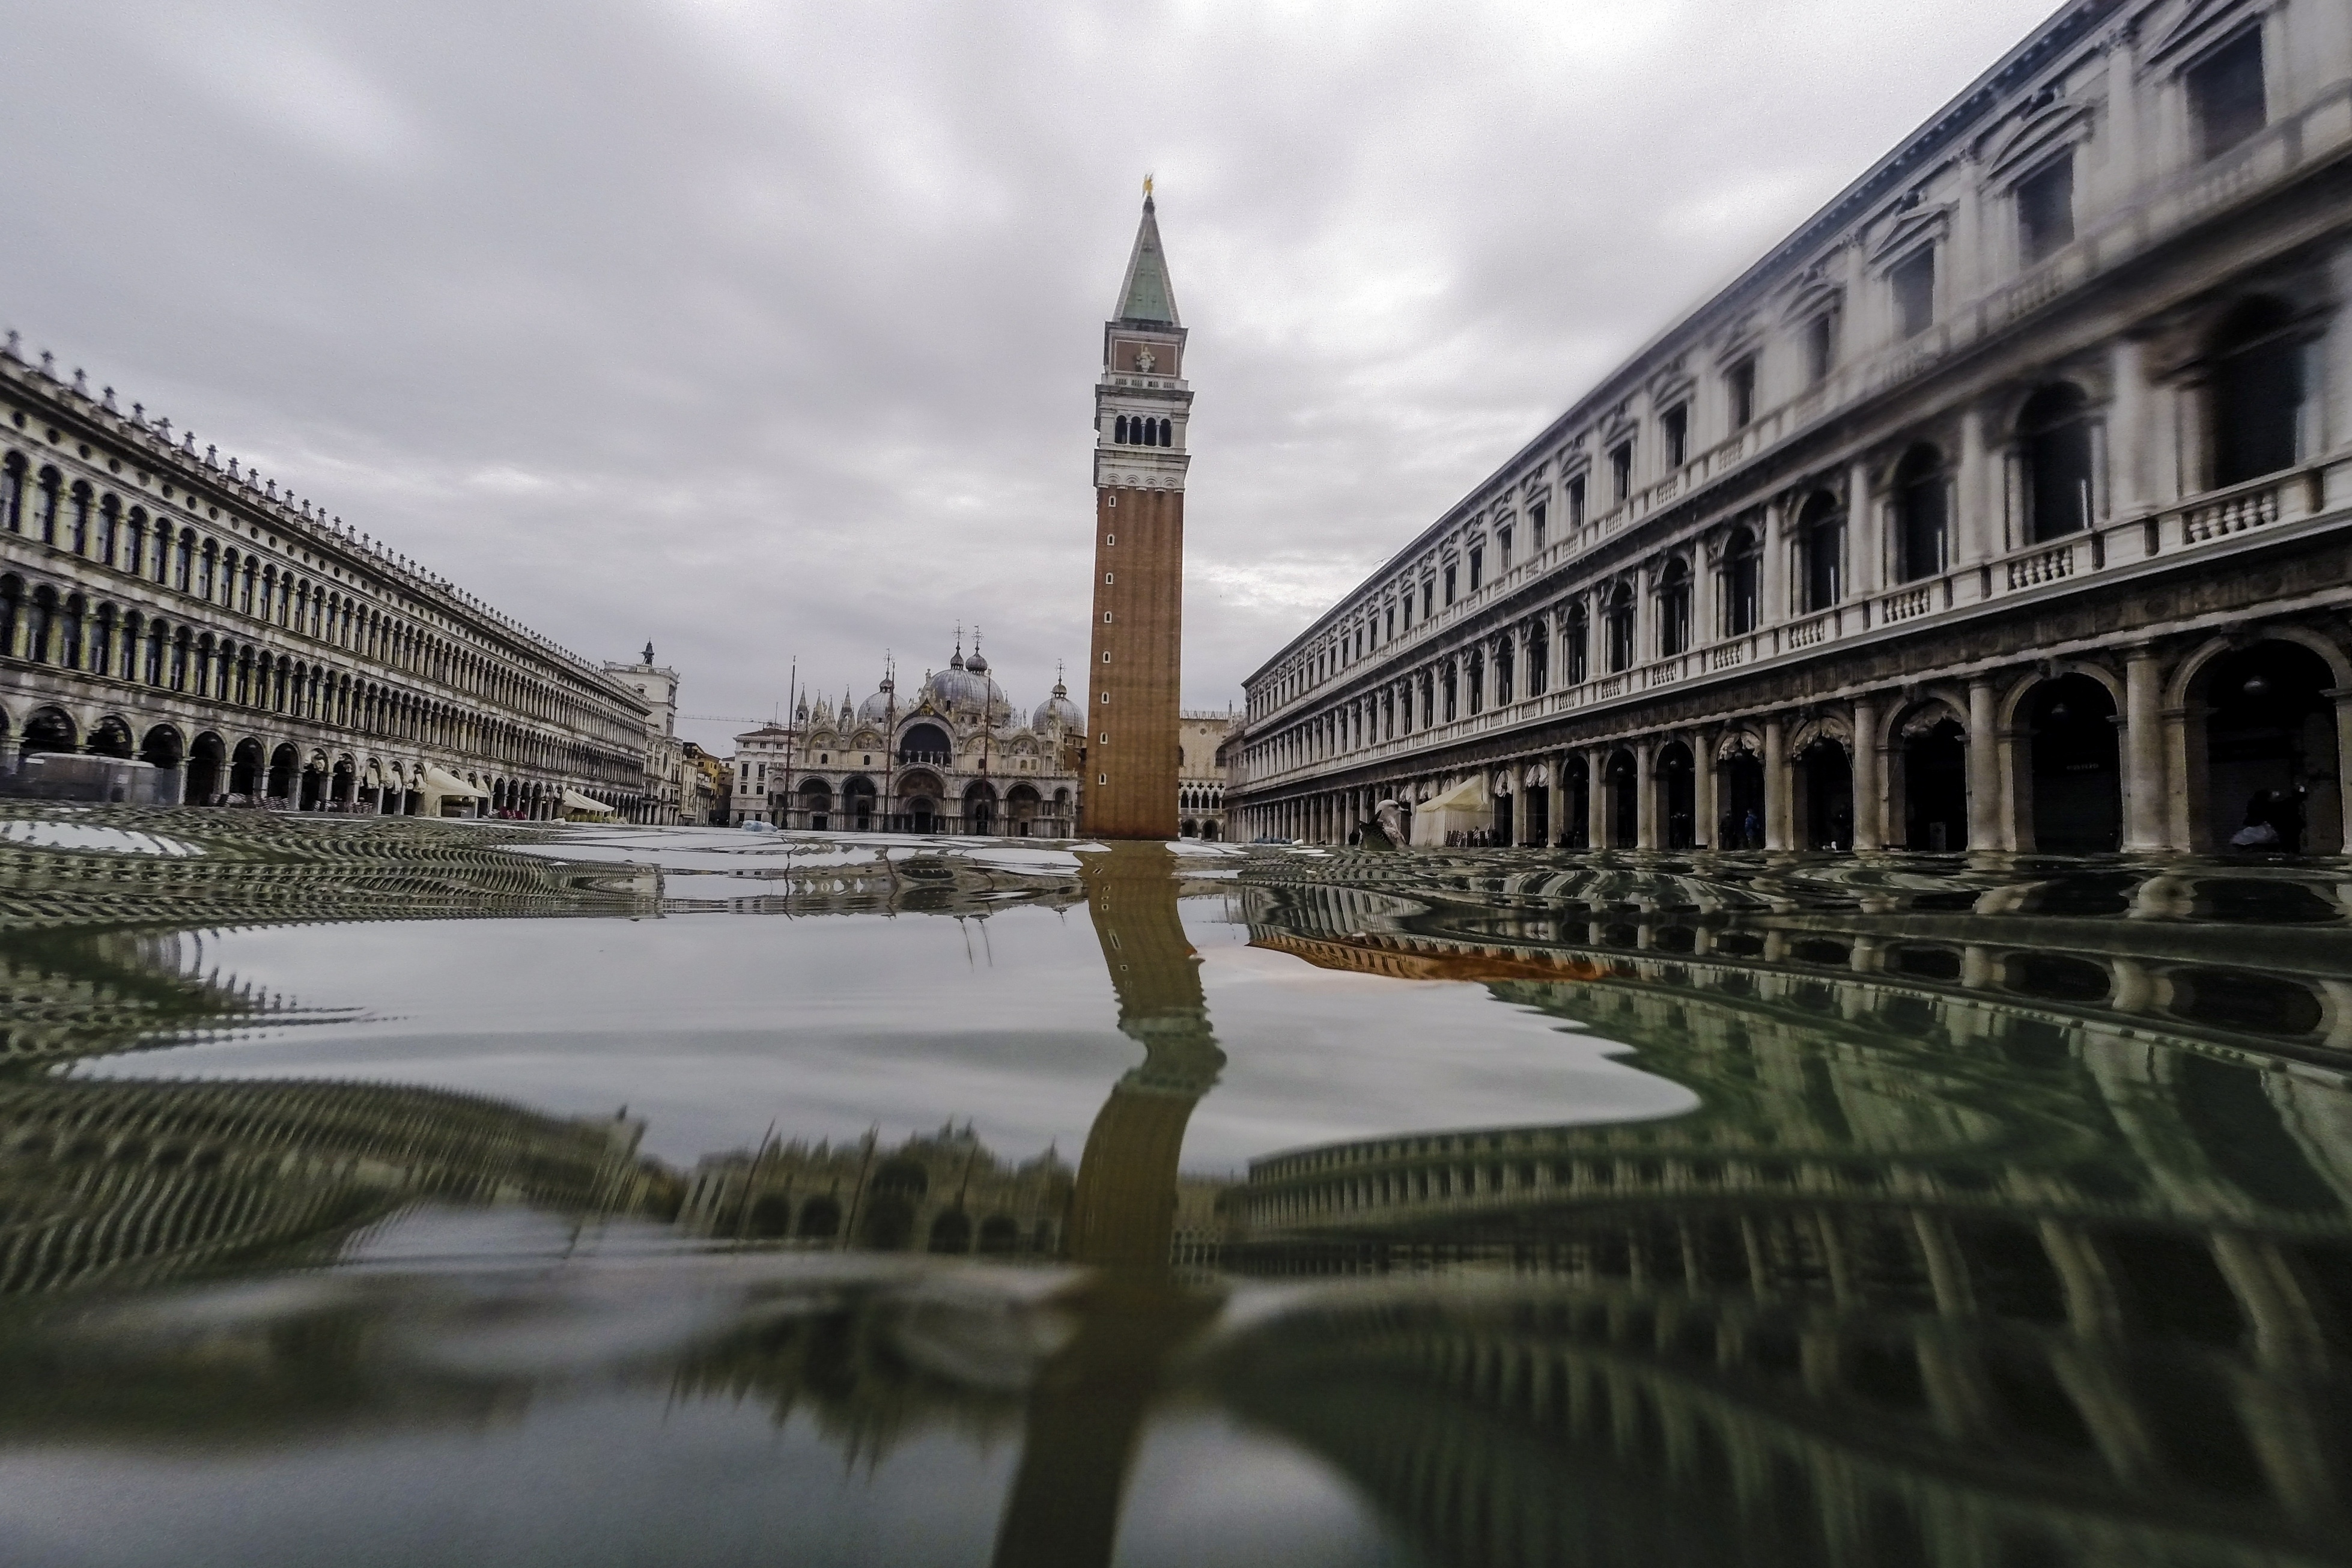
1676,423
1912,283
1477,567
1449,581
2225,94
1536,527
1503,544
1620,473
1821,347
1391,625
1739,382
1428,597
2046,211
1576,501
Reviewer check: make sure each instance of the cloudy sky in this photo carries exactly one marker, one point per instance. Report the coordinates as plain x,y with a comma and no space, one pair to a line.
768,331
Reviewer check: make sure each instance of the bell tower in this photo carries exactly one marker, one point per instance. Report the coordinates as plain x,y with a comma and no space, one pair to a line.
1134,671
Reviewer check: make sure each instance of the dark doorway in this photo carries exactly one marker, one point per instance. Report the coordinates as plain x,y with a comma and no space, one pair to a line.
244,769
111,737
314,786
163,747
2270,745
1826,778
2078,785
1624,801
1538,829
1742,825
1678,793
1502,819
1576,824
1936,787
282,763
207,760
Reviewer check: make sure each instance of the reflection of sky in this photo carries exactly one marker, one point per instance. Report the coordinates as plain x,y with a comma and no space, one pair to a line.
708,1025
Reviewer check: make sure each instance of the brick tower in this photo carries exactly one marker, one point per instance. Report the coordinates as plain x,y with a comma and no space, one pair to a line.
1141,404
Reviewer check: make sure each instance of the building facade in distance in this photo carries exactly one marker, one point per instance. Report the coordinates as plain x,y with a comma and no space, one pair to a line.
953,756
1142,405
161,608
1201,774
666,792
2001,506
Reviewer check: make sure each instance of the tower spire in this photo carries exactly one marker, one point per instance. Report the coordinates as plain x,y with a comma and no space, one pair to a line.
1146,295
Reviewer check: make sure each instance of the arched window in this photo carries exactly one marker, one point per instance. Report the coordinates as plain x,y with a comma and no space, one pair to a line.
1620,622
1539,658
48,505
1120,429
2054,444
12,493
1820,552
2255,392
1452,693
1743,583
1575,635
1167,433
79,535
109,527
183,564
1673,609
1922,525
134,542
1477,681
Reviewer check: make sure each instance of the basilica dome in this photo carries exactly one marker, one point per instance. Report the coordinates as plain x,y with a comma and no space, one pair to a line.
966,687
1056,712
878,708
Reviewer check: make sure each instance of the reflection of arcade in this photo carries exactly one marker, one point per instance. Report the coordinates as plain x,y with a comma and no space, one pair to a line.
1936,1275
131,1183
1087,1405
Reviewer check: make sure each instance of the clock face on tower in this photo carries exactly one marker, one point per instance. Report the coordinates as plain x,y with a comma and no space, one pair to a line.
1144,360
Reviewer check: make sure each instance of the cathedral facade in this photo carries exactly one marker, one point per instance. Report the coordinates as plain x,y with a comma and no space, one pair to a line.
951,756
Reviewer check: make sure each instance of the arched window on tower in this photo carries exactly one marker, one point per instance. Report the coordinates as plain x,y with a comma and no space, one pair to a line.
1167,433
1922,512
2254,392
1120,430
2054,444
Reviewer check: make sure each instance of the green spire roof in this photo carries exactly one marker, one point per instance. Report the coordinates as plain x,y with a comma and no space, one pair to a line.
1146,296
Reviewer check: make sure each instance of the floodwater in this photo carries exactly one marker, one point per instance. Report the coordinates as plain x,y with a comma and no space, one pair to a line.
378,1192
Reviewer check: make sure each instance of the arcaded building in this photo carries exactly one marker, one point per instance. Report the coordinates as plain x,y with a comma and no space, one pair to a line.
159,607
2000,506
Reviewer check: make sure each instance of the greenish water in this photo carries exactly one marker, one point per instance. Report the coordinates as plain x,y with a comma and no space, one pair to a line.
385,1192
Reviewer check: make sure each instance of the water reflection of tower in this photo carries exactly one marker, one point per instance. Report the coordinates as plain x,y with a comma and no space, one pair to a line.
1087,1406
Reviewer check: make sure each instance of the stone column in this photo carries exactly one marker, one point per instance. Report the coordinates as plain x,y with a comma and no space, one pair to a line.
1596,798
1869,791
2127,431
1778,801
1865,540
1973,529
2143,750
1703,808
1984,769
1645,794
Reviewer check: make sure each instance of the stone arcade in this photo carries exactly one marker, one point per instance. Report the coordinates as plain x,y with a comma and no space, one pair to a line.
159,607
2000,507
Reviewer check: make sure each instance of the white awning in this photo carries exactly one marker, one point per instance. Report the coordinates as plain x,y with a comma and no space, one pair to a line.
440,781
1470,795
575,801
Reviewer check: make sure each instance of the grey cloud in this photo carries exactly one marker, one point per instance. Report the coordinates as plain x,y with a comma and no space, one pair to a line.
769,330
